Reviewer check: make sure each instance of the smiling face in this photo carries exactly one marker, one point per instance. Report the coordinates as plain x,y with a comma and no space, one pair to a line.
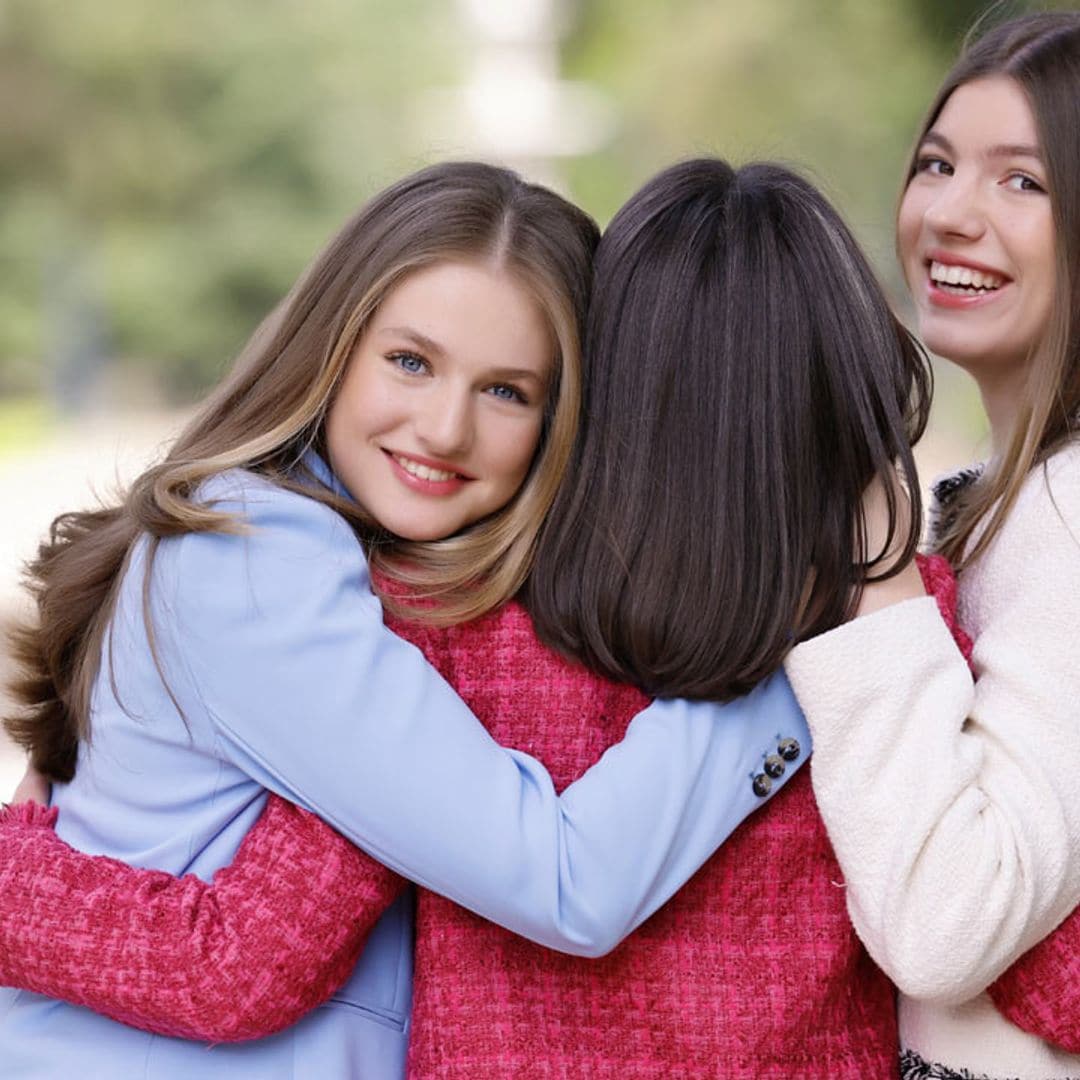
975,234
439,413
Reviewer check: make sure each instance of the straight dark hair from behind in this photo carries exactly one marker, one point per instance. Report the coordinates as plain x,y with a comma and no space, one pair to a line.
746,380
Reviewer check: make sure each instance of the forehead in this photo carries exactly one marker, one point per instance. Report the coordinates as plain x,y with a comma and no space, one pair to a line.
435,284
992,111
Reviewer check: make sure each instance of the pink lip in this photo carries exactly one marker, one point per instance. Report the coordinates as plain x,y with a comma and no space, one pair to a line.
951,259
427,487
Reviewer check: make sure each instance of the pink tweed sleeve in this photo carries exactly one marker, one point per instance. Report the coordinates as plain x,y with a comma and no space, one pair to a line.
940,583
274,935
1041,991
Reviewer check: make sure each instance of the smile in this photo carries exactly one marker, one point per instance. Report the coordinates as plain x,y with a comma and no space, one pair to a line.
425,472
963,280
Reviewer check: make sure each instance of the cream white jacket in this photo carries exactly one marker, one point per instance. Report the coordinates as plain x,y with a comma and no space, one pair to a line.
953,803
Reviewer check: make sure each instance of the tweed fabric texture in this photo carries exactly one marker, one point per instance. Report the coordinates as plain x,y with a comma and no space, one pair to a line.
277,933
1041,991
752,970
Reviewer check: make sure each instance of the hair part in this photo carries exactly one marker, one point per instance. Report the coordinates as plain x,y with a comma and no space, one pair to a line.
271,409
747,381
1041,53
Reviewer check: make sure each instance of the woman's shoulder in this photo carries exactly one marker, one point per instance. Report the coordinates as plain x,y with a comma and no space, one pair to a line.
235,485
1062,471
1049,501
277,539
237,490
1034,559
259,502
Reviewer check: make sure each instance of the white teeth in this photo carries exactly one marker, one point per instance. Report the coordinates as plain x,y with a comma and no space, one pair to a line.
423,472
965,277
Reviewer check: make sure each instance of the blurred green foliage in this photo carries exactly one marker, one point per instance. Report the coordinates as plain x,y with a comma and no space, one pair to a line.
834,85
189,158
166,170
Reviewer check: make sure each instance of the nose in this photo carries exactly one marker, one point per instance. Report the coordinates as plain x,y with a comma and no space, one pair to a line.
445,426
957,210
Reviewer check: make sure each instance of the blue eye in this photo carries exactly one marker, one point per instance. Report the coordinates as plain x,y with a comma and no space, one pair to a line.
507,393
409,363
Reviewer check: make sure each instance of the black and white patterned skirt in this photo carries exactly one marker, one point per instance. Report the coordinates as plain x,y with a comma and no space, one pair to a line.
912,1067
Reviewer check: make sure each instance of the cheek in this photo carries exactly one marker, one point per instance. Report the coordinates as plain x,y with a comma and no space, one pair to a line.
356,416
908,227
515,450
365,405
1027,234
335,435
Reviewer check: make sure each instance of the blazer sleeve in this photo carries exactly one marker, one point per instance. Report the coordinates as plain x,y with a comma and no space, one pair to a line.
950,802
273,936
275,642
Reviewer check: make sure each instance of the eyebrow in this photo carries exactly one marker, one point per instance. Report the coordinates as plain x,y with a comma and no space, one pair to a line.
1001,150
517,375
422,340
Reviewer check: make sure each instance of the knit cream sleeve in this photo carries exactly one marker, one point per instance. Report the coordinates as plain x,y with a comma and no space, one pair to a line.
951,803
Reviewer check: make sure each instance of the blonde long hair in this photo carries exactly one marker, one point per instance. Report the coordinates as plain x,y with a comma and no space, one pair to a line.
1041,53
270,410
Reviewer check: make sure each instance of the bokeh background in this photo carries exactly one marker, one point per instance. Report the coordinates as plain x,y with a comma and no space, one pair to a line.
166,171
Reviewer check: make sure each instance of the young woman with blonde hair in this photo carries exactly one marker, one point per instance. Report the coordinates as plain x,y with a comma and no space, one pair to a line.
409,408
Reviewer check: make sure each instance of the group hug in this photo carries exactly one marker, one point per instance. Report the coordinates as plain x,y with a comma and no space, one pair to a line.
536,659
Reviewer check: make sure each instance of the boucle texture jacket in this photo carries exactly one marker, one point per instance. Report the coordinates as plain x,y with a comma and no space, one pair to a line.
951,802
752,971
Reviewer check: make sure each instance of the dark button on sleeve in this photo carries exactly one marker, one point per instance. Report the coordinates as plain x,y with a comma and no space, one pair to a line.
762,785
774,766
789,749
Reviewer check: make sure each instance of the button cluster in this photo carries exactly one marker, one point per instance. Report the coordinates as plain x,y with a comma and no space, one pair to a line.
787,749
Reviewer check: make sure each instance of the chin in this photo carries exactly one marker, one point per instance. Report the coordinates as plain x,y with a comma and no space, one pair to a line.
956,347
415,535
422,533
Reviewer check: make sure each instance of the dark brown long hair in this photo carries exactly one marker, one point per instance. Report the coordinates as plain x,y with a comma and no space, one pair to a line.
1041,53
271,409
746,381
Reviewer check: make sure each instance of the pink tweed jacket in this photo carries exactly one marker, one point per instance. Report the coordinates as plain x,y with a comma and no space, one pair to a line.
751,971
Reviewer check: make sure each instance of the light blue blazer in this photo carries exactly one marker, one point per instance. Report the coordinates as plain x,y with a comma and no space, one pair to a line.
273,645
